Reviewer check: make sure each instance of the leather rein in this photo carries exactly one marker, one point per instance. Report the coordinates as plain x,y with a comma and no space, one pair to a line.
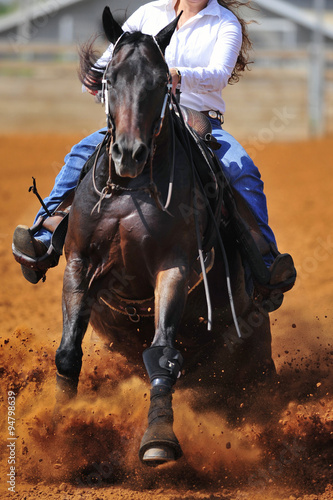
111,188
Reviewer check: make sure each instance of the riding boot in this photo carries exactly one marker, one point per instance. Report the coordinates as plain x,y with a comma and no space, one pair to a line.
283,272
282,276
34,256
29,252
270,283
28,245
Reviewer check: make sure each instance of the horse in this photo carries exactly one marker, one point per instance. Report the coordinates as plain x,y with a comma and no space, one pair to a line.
132,257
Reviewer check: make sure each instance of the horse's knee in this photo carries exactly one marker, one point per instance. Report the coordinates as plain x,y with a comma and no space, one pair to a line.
69,362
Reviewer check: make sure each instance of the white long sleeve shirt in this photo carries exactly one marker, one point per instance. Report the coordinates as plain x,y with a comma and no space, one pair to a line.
204,49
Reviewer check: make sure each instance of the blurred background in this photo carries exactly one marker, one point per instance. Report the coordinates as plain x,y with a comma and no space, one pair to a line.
288,94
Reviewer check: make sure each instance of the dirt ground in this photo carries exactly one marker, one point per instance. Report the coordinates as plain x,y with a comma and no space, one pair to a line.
280,445
93,453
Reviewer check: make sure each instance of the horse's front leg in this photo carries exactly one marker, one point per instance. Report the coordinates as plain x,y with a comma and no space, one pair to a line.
163,363
76,310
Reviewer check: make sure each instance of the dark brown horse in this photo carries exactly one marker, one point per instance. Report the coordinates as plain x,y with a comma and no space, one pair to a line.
131,262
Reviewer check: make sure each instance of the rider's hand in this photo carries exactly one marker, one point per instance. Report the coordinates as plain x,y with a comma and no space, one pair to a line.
175,79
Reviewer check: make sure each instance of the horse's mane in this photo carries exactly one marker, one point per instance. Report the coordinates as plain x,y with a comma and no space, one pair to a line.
91,73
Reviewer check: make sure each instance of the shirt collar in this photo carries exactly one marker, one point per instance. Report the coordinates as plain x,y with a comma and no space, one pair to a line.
213,8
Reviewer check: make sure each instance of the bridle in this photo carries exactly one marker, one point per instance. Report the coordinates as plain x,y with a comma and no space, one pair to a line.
110,188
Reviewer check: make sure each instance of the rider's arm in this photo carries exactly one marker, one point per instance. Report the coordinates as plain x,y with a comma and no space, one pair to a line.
214,75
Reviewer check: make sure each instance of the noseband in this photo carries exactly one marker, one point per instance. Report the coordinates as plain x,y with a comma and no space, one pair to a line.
110,188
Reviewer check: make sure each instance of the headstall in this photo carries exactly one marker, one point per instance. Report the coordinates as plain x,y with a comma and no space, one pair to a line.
110,188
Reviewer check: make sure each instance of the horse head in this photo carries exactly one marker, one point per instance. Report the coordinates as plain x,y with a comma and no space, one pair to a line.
137,79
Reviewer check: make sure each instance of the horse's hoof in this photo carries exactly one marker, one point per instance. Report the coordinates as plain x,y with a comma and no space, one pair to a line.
66,389
159,455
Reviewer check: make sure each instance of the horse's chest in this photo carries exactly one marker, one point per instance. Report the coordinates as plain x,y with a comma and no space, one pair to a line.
138,222
128,237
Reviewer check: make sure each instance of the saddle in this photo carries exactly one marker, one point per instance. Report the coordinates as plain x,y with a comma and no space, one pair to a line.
208,172
199,122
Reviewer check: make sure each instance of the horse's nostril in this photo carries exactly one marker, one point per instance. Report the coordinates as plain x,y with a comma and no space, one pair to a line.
140,152
116,151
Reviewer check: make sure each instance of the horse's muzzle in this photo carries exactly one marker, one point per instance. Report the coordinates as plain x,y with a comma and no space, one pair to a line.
129,161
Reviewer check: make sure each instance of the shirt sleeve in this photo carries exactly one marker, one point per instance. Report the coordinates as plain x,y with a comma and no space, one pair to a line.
215,76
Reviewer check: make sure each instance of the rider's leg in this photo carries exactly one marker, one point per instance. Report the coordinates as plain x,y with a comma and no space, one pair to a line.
244,176
65,181
68,177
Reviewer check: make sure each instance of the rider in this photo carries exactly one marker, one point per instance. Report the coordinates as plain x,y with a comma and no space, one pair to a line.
208,50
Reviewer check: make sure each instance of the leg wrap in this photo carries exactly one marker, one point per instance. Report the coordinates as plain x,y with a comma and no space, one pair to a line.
159,433
160,405
163,363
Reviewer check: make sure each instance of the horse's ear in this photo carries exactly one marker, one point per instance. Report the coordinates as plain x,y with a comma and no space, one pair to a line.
164,36
111,28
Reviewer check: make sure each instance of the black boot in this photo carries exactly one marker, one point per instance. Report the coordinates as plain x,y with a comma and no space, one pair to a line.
282,278
283,272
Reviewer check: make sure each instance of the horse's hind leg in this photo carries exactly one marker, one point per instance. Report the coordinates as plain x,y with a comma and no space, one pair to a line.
76,313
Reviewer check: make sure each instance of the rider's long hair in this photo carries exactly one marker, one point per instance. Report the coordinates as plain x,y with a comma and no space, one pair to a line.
243,60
